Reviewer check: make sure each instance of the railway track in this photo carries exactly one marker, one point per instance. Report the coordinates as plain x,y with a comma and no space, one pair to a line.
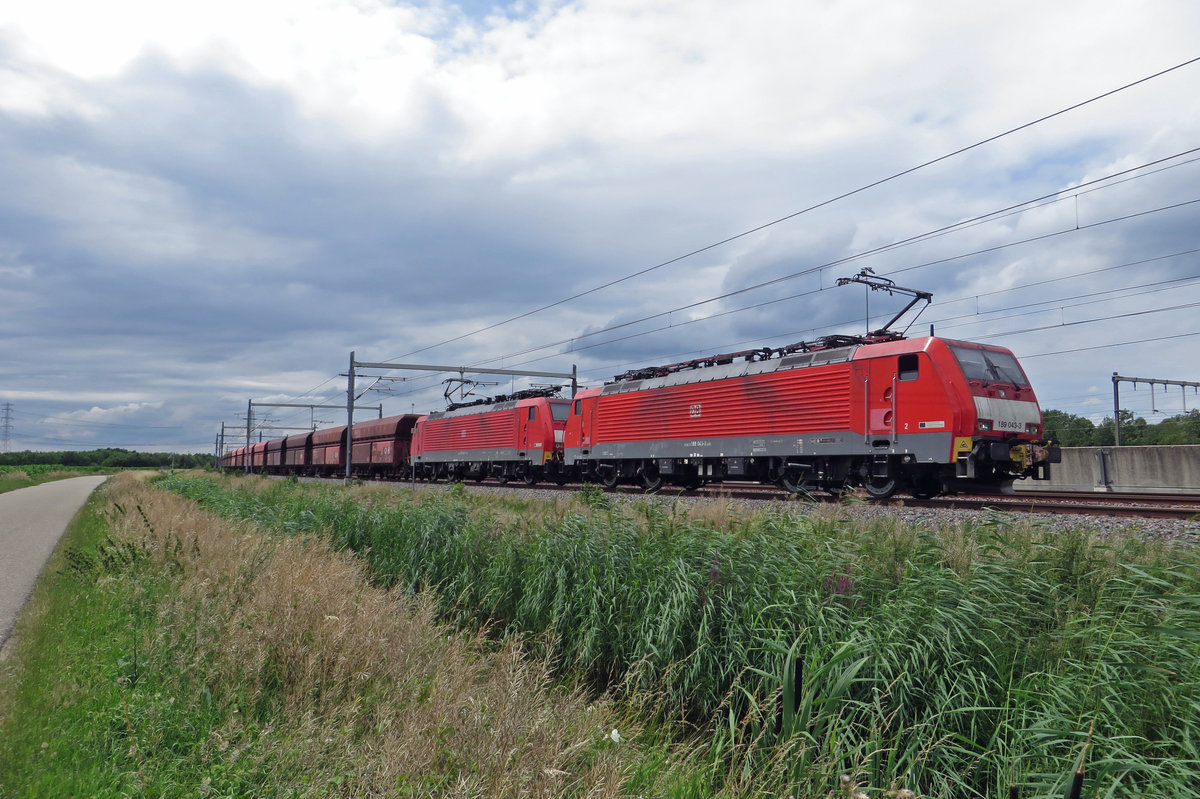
1150,506
1180,507
1143,506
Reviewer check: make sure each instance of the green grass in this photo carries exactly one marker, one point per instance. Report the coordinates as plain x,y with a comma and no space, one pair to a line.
167,653
60,741
954,662
15,477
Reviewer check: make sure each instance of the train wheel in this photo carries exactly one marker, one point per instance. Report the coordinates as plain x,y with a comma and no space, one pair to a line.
926,485
792,481
609,478
530,477
651,479
880,487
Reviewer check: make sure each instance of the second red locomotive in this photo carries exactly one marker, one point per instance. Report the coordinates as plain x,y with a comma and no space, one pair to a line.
519,437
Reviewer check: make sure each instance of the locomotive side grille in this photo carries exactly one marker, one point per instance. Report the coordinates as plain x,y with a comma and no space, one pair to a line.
482,431
779,403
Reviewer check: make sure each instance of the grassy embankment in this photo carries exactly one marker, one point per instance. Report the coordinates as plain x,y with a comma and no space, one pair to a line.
14,477
955,663
169,653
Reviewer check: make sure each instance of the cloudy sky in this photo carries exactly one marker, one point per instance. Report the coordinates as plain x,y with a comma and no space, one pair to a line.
203,204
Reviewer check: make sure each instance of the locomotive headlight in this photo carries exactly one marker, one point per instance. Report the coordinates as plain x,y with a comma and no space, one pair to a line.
985,425
1033,429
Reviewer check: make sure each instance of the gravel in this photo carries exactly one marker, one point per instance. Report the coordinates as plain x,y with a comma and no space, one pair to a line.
1162,529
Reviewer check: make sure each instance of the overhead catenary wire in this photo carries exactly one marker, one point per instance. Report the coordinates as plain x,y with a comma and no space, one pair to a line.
1082,188
793,215
1109,346
677,355
775,281
1076,322
573,341
803,211
847,259
1093,298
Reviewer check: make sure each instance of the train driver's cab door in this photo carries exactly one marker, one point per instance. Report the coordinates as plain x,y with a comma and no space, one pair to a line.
891,379
528,421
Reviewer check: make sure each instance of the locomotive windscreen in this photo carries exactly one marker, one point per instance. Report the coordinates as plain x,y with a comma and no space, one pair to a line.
990,366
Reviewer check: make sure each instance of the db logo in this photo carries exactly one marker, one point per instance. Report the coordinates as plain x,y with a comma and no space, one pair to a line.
694,411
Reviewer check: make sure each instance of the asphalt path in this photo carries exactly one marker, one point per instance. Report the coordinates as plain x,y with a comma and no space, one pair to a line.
32,520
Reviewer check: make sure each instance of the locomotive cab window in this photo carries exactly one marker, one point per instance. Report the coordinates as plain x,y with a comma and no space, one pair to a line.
578,407
532,412
990,366
558,411
906,366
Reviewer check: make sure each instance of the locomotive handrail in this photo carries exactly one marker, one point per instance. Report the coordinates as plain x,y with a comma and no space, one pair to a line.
835,341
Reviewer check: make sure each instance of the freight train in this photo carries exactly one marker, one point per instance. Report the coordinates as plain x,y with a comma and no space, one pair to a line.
882,412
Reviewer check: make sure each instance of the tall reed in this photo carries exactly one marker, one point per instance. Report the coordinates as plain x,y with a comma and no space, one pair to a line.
954,662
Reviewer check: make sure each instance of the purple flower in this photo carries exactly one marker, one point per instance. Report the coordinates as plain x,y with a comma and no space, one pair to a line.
839,584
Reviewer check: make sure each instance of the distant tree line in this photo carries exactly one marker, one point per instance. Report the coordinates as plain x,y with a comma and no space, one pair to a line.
1070,430
1066,429
107,458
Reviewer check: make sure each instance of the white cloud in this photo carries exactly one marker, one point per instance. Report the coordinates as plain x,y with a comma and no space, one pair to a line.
113,414
141,219
73,396
249,190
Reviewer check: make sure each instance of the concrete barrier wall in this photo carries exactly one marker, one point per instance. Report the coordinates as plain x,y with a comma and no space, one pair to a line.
1123,470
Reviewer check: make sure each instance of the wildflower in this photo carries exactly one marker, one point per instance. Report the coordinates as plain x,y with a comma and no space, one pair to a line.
615,736
839,584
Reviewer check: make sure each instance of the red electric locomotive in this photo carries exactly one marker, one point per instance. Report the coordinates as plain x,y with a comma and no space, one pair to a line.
929,415
519,437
